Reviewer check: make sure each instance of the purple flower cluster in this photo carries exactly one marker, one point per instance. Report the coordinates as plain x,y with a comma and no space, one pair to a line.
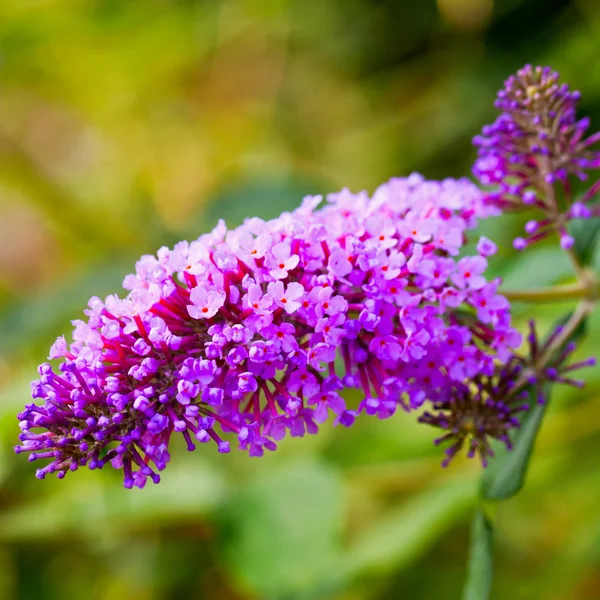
534,149
248,334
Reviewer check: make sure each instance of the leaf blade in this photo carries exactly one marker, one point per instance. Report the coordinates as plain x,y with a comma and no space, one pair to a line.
480,570
586,234
507,472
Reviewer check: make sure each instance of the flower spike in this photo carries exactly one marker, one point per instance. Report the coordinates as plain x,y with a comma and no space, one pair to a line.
244,335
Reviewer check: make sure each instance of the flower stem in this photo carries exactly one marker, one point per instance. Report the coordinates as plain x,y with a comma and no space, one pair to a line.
579,269
586,288
556,293
584,308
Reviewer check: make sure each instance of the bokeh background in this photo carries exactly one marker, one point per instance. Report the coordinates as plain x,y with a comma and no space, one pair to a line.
129,124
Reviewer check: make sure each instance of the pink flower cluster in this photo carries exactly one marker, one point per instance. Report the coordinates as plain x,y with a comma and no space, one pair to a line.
248,334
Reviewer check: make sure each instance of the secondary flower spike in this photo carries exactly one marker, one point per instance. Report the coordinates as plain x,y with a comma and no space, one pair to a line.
535,151
245,335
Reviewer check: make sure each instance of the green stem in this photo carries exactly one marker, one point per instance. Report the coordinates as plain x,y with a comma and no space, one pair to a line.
579,269
586,288
584,308
559,292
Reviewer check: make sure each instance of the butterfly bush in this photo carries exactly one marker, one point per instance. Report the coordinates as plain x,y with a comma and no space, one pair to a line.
244,336
249,334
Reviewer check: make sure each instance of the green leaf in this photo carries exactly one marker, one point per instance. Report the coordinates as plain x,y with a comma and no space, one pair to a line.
480,570
281,533
586,234
507,471
539,267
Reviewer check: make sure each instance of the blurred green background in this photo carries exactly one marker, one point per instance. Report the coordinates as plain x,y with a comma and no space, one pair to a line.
126,125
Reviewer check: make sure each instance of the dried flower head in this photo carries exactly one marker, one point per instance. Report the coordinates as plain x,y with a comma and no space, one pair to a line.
487,407
475,413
